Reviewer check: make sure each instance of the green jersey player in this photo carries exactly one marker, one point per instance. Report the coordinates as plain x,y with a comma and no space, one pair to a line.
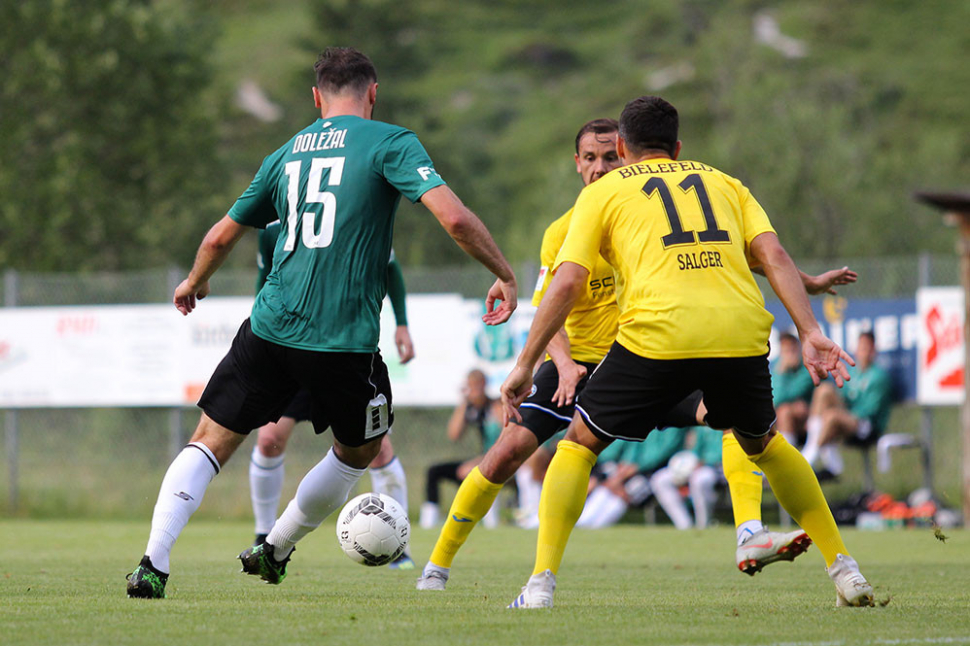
315,324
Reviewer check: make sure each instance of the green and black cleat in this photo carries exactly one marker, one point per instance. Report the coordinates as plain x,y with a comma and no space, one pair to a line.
260,539
146,582
258,560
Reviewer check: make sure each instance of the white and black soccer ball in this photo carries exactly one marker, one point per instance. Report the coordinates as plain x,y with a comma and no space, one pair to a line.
373,529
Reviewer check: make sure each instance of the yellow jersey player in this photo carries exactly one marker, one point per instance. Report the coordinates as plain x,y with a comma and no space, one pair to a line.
681,237
573,353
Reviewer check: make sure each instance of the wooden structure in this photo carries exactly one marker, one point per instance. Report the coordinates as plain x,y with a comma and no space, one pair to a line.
956,209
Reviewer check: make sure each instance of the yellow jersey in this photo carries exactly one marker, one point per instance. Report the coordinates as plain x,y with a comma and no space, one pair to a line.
677,234
592,323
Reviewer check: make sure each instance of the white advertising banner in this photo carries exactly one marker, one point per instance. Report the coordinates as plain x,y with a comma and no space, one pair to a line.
150,355
940,368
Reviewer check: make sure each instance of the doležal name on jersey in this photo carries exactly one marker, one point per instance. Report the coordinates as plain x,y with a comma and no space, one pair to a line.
677,235
335,187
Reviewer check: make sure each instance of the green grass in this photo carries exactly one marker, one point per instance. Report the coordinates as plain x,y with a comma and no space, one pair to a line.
62,583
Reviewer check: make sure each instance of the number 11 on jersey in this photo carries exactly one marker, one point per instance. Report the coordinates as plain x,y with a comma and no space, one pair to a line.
312,239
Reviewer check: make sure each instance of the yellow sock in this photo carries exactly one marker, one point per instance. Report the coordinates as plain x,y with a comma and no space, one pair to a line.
796,487
561,503
744,480
473,500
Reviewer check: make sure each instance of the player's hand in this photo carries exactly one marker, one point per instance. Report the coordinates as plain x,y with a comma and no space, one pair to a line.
823,357
824,283
516,388
186,295
569,378
402,339
507,293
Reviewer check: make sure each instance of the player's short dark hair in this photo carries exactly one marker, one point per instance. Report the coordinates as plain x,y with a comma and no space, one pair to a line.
344,68
868,334
787,336
597,126
649,123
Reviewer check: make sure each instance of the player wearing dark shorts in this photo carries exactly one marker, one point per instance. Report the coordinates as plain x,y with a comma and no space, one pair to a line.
681,237
335,186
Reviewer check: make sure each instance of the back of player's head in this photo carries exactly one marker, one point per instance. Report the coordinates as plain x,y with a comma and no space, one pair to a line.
787,337
649,123
597,126
342,69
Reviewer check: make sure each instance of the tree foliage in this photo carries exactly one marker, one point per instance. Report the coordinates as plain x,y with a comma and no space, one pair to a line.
108,150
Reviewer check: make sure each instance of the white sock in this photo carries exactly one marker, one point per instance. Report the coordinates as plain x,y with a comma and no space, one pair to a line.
529,489
668,495
265,488
591,508
832,458
749,528
491,518
323,489
813,431
391,480
179,496
431,567
609,511
702,494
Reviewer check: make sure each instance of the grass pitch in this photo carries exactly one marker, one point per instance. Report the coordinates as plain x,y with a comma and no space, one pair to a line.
63,583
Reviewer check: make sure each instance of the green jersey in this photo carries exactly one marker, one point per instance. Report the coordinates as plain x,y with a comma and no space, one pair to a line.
868,394
791,385
396,290
335,187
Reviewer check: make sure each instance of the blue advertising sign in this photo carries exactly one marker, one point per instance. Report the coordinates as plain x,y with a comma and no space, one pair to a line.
893,321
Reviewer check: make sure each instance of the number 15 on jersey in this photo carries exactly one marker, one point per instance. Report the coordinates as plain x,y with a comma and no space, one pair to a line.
312,237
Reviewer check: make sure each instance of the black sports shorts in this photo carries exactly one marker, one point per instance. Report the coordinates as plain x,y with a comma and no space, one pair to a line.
300,407
256,381
628,395
541,415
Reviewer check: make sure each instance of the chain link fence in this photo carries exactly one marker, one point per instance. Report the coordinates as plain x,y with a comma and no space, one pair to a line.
109,462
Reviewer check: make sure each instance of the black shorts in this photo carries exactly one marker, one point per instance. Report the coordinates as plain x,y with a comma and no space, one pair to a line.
257,380
629,395
300,407
541,415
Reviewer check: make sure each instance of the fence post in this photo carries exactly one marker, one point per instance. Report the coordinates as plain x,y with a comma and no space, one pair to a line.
11,435
926,412
173,278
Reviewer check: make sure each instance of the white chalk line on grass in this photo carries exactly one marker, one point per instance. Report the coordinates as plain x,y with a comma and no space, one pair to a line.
965,639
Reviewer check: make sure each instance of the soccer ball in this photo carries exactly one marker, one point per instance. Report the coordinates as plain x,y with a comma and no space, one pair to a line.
373,529
681,465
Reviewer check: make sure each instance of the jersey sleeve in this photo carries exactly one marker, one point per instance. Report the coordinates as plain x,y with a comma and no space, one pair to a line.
406,166
753,216
255,207
396,292
551,242
264,254
585,235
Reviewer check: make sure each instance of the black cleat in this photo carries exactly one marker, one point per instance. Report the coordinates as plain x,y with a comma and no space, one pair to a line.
258,561
146,582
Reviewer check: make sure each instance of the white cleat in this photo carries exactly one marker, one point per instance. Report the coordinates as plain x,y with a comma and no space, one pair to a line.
432,580
851,587
537,593
765,548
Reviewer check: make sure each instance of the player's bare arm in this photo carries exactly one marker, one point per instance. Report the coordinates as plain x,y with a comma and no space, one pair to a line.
566,285
215,248
823,283
470,234
820,355
570,372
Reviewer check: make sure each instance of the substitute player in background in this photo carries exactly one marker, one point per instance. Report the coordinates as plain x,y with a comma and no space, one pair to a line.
574,352
267,464
681,237
336,186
